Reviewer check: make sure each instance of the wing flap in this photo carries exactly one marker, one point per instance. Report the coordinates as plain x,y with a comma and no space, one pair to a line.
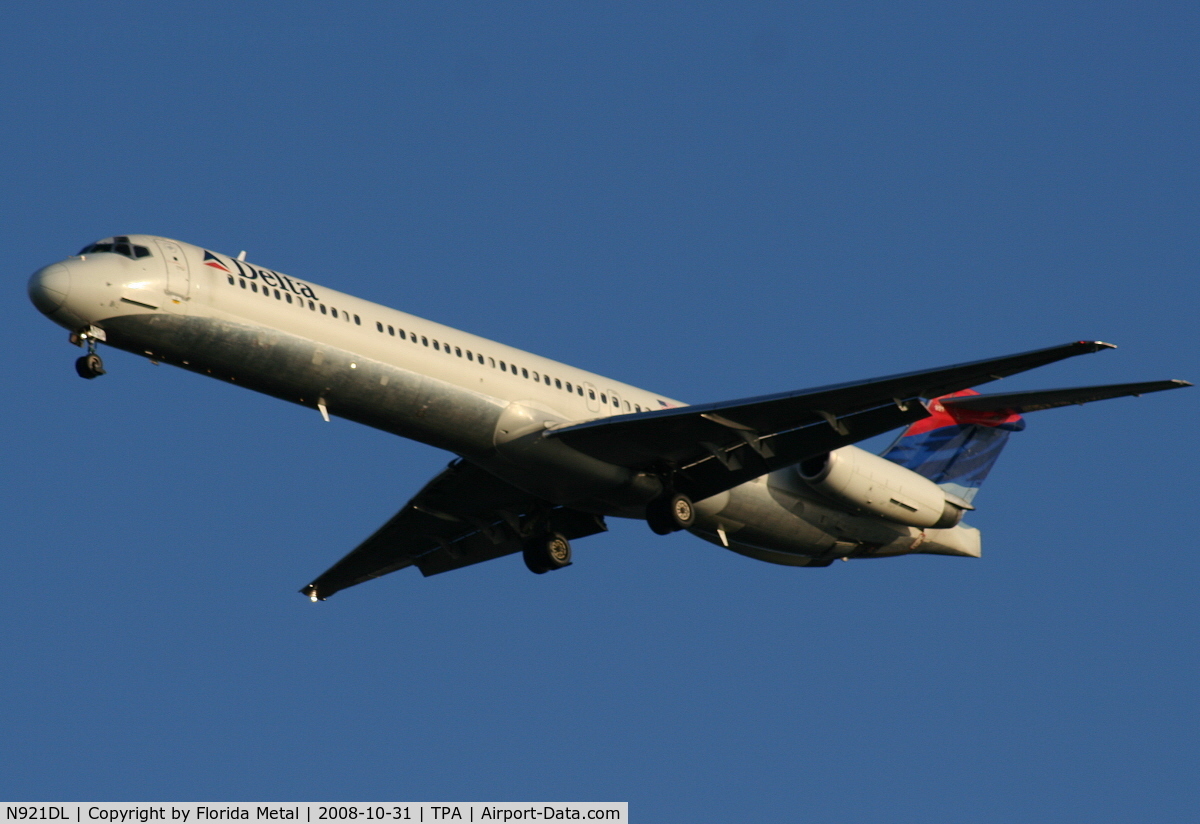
743,462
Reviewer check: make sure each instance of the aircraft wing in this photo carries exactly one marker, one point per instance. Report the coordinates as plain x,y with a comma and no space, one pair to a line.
463,516
1037,400
713,447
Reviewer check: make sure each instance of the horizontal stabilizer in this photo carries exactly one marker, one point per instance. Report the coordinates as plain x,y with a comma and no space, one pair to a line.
1018,402
956,446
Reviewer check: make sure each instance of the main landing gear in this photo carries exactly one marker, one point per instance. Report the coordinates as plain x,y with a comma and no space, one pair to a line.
547,551
89,366
670,513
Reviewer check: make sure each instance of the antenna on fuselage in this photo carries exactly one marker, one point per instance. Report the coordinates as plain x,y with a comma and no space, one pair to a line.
242,255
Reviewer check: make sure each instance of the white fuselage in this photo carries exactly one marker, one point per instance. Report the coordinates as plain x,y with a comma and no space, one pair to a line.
485,401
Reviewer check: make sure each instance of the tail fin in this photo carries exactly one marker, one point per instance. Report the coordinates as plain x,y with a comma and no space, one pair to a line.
955,447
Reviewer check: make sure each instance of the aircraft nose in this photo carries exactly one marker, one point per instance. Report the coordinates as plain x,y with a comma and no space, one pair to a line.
48,287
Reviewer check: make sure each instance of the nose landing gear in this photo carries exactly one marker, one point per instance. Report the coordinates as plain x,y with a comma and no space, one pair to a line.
89,366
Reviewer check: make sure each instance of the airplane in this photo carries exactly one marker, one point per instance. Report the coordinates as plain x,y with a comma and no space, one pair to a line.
545,452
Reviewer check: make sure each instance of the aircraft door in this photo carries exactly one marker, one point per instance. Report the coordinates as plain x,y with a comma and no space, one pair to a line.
179,280
592,397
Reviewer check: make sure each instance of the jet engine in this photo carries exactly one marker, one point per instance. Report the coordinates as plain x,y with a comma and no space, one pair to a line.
860,480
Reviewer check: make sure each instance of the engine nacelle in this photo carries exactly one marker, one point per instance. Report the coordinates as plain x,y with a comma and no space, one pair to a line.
854,477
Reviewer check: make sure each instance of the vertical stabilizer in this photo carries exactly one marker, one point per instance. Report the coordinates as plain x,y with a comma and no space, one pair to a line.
955,448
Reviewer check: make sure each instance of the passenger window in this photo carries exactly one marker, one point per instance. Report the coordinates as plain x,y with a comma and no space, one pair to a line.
401,331
592,394
524,373
535,377
493,362
579,390
424,340
253,287
312,306
470,357
435,345
242,282
288,296
557,383
357,320
379,326
277,295
391,330
333,311
569,389
458,351
323,312
503,368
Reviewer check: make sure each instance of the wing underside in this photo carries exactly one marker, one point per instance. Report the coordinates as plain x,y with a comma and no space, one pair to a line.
708,448
463,516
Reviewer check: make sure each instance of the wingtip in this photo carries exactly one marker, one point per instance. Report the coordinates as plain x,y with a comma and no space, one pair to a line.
1097,345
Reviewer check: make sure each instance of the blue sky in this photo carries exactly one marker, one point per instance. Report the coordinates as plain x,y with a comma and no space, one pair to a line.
710,200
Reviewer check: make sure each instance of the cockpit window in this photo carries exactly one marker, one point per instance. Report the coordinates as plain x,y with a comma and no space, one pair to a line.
120,246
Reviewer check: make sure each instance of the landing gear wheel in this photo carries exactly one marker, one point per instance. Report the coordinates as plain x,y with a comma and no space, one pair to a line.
658,520
548,552
670,513
89,366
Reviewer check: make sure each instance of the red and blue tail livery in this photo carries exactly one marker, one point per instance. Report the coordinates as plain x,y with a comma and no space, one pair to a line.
955,447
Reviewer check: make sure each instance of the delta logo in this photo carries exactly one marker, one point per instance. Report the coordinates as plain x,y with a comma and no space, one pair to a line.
215,262
269,278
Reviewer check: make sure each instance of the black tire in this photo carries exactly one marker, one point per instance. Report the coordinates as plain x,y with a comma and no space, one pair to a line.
548,552
658,520
683,511
533,562
671,513
89,366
